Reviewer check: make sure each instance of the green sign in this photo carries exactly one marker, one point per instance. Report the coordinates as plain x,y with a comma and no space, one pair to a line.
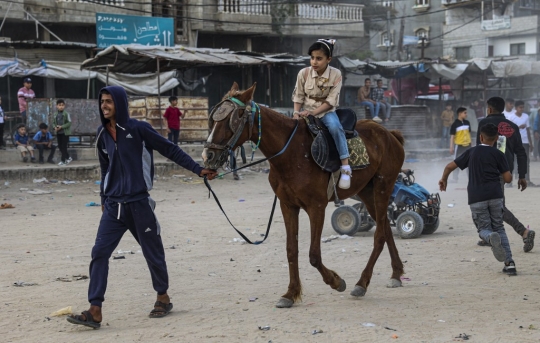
116,29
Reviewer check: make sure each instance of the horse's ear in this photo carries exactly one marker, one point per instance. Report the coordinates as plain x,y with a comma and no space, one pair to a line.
234,89
248,93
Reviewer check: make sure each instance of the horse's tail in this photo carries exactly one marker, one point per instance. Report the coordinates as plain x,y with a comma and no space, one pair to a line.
398,135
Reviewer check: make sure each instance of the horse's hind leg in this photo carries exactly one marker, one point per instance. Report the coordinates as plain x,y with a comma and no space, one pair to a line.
294,293
316,218
376,199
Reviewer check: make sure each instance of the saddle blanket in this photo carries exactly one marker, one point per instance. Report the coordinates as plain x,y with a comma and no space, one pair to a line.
358,156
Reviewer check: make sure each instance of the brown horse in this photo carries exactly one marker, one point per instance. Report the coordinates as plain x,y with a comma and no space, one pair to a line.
299,182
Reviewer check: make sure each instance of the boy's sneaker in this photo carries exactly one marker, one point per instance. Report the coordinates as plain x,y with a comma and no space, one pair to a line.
25,159
61,163
33,160
377,119
496,247
528,242
68,161
510,269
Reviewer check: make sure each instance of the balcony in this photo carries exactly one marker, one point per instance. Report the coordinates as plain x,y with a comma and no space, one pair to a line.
74,11
256,15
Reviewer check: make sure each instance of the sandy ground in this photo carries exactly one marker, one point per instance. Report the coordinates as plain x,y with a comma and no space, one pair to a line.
452,286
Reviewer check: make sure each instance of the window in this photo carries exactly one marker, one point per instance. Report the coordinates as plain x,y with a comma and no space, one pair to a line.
463,53
387,40
388,4
422,33
490,51
421,5
517,49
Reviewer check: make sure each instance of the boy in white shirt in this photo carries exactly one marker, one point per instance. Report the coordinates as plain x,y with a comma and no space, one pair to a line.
521,119
509,109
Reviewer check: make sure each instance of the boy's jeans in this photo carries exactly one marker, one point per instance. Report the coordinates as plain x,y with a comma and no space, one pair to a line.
373,109
331,121
488,218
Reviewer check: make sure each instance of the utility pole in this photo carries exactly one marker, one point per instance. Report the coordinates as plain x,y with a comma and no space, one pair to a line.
389,39
422,39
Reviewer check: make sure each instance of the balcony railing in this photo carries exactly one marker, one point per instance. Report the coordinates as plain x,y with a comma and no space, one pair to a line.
98,2
303,11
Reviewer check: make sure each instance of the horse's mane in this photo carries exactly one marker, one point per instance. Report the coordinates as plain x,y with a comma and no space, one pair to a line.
230,94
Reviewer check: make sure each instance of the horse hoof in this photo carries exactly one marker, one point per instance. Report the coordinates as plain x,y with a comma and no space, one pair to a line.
358,291
394,283
284,303
342,286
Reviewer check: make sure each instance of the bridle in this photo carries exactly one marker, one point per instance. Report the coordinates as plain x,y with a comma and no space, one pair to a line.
237,122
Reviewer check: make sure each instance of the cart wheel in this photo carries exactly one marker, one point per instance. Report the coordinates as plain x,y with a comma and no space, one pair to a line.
409,225
366,222
431,228
346,220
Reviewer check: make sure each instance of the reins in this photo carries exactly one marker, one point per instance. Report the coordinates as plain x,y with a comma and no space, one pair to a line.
275,196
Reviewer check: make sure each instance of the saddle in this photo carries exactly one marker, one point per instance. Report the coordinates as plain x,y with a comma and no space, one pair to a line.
323,148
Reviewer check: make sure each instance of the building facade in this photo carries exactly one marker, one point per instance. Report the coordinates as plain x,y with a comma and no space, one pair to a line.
421,20
65,30
494,29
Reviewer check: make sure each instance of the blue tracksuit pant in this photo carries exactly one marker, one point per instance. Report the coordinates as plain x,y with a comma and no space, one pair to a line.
137,217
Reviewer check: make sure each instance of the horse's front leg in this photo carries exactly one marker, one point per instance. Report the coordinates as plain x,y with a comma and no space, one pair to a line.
294,293
316,218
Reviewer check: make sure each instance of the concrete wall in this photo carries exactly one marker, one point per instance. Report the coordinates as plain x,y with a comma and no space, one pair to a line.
501,46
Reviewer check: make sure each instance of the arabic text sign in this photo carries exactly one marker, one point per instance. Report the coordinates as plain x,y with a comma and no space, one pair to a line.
497,24
119,29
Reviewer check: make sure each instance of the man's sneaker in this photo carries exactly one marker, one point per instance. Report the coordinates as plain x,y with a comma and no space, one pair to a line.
496,247
510,269
61,163
528,242
377,119
68,161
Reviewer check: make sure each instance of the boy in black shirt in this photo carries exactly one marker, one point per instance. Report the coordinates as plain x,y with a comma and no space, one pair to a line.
510,144
486,164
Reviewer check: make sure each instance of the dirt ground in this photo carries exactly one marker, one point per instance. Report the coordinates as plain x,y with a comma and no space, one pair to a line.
451,286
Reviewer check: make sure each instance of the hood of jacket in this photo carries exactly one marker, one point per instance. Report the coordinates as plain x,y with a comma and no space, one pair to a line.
119,97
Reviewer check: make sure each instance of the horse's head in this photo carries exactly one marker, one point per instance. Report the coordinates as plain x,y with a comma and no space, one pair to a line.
228,124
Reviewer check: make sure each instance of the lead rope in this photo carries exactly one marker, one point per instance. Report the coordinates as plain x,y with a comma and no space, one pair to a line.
210,191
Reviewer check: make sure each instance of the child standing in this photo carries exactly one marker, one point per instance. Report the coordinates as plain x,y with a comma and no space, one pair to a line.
447,117
460,137
486,165
43,140
62,127
2,144
172,116
21,141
